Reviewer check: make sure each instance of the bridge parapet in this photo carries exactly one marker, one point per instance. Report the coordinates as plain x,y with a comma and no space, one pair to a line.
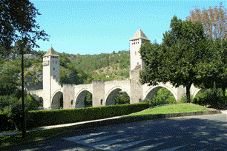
36,93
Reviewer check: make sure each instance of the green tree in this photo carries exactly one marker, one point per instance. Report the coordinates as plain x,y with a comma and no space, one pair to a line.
64,59
64,78
8,80
163,96
122,98
214,21
213,71
88,100
18,24
176,59
32,104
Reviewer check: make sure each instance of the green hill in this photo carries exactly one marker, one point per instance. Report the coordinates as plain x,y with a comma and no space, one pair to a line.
74,69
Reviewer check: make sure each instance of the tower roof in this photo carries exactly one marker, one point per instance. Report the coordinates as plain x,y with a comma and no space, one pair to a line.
51,52
139,35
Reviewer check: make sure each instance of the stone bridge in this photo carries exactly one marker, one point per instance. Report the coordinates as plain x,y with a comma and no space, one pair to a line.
68,96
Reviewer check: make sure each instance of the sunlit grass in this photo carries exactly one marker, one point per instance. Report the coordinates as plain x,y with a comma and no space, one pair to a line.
171,109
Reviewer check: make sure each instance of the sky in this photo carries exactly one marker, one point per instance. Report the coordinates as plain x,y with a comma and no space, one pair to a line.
98,26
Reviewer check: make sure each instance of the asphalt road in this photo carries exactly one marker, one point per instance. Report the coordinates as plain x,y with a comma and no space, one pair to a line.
207,132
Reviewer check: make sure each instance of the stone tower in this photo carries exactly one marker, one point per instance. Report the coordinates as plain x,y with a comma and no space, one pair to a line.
136,64
137,40
51,76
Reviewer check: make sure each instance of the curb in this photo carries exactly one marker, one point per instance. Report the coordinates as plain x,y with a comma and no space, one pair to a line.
118,120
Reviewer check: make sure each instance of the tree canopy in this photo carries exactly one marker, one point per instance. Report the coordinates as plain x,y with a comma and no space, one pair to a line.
213,71
214,21
176,59
17,22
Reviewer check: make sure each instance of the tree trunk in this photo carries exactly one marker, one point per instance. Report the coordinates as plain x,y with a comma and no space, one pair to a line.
23,112
214,90
188,92
223,91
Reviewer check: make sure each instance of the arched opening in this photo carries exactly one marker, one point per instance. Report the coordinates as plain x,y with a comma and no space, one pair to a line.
160,95
57,101
201,93
84,99
117,96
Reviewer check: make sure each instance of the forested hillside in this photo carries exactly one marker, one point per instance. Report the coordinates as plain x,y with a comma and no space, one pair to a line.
74,69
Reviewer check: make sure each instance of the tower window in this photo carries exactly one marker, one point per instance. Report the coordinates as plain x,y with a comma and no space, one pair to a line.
101,101
54,69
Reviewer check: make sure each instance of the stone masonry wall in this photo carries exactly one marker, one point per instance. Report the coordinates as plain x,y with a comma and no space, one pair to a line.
98,93
136,87
68,96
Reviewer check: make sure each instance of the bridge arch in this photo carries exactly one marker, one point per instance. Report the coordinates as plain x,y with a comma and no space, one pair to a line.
112,93
57,100
150,93
80,98
196,92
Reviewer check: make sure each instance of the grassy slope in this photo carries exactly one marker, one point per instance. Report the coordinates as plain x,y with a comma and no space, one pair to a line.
171,109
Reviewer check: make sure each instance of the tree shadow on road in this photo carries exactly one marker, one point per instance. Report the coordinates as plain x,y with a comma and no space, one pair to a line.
207,132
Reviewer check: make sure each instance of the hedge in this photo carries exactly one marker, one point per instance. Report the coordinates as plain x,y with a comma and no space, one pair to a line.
54,117
4,124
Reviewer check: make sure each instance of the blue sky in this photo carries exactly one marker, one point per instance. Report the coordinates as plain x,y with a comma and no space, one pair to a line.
94,27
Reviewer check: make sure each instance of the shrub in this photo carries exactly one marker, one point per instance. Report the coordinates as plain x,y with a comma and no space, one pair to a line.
163,96
6,101
53,117
30,101
40,68
207,98
4,124
15,116
184,99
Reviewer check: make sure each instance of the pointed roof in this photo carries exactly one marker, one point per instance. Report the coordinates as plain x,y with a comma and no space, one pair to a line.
51,52
139,35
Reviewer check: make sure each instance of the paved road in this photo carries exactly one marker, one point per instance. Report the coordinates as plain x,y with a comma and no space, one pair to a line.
207,132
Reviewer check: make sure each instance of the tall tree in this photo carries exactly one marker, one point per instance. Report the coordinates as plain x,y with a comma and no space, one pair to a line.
214,21
176,59
214,69
8,80
17,23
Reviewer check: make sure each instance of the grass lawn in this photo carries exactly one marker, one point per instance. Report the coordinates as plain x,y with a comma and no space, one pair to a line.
171,109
